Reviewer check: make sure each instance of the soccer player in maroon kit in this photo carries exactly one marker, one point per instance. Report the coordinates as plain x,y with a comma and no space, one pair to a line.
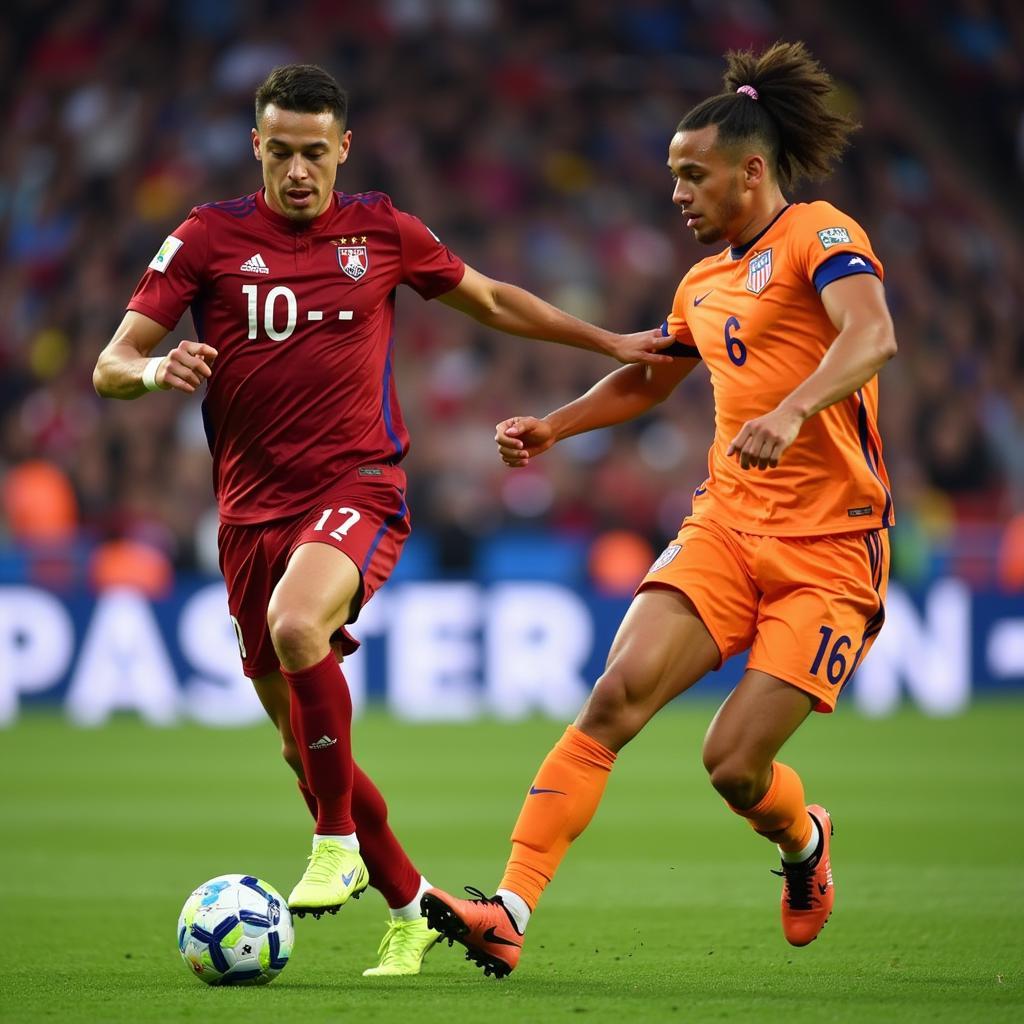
292,291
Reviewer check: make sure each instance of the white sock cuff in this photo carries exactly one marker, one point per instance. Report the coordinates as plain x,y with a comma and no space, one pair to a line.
350,842
411,911
517,907
795,856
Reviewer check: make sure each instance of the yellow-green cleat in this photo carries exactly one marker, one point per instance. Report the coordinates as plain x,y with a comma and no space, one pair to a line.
403,948
334,875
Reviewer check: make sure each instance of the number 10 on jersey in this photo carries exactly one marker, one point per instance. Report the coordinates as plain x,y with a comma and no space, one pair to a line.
272,316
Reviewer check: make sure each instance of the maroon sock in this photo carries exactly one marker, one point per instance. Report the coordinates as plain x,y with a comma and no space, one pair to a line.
321,717
307,795
391,871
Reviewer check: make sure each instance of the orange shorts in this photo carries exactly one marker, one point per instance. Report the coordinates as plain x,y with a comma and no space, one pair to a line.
807,608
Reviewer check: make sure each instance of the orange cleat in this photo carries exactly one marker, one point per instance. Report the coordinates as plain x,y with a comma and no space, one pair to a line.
482,925
807,892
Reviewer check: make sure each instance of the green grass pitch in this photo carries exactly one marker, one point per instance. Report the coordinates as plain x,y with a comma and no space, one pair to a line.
664,911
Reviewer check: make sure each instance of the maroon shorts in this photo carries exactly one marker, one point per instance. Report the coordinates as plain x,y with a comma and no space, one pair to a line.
365,517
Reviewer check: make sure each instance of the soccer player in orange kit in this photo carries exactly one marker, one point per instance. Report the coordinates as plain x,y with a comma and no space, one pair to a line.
786,553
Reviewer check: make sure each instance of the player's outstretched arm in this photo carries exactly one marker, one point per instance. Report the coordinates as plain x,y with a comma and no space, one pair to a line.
516,311
121,370
865,343
622,395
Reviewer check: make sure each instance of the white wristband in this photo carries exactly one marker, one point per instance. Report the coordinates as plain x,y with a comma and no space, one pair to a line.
149,374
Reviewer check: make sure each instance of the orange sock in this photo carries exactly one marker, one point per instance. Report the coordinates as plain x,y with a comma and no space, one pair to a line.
561,802
780,815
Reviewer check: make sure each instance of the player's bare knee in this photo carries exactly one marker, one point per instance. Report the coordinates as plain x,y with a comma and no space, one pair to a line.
738,782
296,637
612,715
605,703
711,755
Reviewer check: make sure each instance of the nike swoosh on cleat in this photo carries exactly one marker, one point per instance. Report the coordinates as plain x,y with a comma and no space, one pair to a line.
347,879
491,936
534,791
697,301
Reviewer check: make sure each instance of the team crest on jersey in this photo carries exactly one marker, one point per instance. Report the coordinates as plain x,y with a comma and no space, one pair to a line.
353,260
665,557
759,271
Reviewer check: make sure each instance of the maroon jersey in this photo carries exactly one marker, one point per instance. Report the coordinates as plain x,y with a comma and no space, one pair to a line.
302,318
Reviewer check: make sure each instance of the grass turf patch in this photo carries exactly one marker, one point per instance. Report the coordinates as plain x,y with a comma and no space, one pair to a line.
665,910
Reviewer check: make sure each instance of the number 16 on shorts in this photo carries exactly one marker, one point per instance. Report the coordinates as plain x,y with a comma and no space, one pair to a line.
343,519
836,665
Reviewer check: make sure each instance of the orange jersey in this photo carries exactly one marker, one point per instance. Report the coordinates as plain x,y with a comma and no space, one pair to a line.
757,320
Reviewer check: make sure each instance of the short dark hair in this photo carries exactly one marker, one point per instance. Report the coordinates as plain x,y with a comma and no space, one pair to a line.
305,89
802,136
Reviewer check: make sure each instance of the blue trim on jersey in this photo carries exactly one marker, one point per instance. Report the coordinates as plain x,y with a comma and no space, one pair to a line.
677,348
866,448
739,253
386,400
238,208
198,309
874,624
887,513
395,517
207,425
364,198
842,264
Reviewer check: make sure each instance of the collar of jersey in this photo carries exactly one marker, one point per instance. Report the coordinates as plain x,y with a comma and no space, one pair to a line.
737,253
284,222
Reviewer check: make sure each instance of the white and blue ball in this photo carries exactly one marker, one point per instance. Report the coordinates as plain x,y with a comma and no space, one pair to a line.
235,930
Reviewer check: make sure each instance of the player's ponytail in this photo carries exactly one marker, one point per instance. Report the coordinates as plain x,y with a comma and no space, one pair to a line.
779,98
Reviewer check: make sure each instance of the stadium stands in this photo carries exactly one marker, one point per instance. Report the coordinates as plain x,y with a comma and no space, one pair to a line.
532,138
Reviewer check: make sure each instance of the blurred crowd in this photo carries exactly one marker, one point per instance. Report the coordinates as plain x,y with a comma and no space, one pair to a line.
531,136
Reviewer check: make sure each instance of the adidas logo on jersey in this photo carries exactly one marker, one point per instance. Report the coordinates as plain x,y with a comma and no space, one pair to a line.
255,265
322,744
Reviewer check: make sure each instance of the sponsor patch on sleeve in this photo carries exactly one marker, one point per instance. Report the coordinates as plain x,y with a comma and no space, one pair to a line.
162,260
833,236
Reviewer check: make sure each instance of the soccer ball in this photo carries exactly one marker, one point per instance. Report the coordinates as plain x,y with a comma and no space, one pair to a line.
235,930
